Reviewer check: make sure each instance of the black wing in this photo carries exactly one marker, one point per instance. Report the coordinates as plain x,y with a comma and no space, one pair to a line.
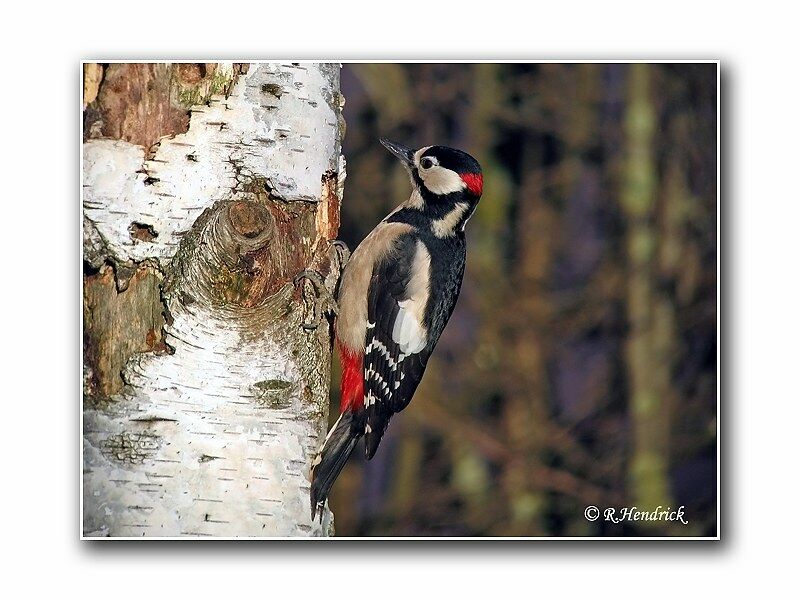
391,376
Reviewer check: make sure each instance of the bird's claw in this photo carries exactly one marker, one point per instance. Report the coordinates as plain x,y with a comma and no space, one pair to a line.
342,253
317,297
321,299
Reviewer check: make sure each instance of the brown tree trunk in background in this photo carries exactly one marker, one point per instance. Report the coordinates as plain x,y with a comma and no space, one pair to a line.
524,351
648,348
207,188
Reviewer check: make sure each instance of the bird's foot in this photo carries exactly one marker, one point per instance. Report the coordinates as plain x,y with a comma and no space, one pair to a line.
317,298
340,252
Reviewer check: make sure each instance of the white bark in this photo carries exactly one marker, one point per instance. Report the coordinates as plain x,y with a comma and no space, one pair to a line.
215,439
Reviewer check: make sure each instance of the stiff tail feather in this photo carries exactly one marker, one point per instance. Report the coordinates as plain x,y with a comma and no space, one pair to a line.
331,458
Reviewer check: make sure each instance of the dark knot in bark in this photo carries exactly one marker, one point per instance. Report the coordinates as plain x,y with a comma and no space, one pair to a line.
251,221
239,254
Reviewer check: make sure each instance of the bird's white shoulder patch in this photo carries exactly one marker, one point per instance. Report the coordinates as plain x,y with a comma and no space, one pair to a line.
408,331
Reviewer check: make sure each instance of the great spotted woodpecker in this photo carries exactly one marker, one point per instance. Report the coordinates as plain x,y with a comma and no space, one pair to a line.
396,295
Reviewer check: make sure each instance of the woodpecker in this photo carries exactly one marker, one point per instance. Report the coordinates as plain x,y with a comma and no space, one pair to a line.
396,295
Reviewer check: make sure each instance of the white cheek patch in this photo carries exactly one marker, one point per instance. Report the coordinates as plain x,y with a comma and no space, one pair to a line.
442,181
438,179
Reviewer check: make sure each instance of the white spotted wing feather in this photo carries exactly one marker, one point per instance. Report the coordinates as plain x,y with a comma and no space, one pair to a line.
396,348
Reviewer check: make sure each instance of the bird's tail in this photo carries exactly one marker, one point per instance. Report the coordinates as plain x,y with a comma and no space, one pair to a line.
330,459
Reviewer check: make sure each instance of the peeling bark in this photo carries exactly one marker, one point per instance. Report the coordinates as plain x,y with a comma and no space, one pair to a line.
205,394
118,325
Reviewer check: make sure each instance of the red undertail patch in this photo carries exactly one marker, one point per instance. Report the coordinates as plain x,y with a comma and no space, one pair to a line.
474,182
352,379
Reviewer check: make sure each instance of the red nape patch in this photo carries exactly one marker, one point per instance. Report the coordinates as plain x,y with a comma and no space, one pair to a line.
352,379
474,182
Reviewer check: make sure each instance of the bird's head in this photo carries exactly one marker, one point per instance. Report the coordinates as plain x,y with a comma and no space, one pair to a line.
439,171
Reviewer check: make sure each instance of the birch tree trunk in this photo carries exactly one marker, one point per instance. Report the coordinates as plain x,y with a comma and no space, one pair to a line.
207,188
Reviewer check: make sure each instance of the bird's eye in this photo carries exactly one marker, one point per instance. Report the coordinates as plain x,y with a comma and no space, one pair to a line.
426,162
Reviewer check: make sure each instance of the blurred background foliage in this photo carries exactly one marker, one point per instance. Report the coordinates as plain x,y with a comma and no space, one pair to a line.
579,367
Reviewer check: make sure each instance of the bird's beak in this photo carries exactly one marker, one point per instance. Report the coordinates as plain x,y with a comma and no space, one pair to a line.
406,155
